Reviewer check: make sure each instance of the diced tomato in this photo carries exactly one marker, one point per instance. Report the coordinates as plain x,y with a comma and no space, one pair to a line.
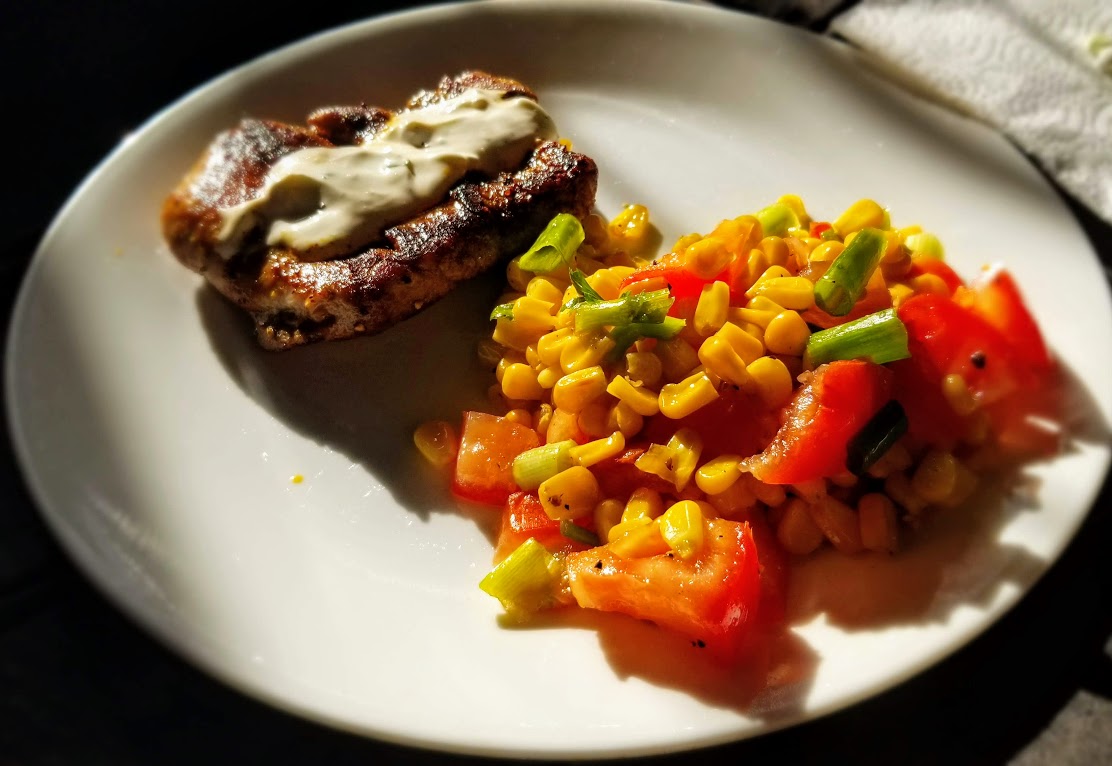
487,447
736,423
619,476
824,415
876,298
524,517
773,569
681,282
713,599
939,268
818,227
996,299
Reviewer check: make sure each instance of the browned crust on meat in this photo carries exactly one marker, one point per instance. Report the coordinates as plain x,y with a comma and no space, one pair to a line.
294,302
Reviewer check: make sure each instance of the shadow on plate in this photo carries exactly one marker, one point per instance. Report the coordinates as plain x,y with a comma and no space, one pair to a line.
364,397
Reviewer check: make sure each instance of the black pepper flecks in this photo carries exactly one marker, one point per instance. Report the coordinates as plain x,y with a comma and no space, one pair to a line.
978,359
598,564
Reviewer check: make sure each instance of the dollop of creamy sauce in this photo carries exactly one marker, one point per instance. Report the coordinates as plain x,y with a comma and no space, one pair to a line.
327,201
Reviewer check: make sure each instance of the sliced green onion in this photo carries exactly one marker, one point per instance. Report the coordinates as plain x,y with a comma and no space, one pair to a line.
882,431
573,531
555,247
525,580
541,463
879,337
924,245
586,292
843,284
776,219
503,311
624,335
649,306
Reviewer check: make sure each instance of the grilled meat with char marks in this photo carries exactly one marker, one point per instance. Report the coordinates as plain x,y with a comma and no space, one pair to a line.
295,301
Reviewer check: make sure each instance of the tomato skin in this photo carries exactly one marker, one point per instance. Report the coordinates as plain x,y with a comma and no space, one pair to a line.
487,448
939,268
524,517
735,423
618,476
822,418
997,300
714,598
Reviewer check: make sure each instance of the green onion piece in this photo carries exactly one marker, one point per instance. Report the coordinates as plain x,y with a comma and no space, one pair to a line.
624,335
879,337
882,431
829,235
525,580
573,531
579,279
539,464
555,247
503,311
638,307
924,245
843,284
776,219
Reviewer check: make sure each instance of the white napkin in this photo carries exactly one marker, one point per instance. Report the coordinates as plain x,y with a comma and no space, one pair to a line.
1040,71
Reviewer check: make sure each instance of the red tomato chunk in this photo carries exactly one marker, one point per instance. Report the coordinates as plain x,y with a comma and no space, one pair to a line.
487,448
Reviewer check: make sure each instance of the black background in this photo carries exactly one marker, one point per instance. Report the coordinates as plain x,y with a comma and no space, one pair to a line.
80,684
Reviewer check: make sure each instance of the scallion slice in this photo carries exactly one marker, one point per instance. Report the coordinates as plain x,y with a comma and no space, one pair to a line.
503,311
525,579
882,431
624,335
637,307
573,531
541,463
555,247
880,337
843,284
776,219
586,292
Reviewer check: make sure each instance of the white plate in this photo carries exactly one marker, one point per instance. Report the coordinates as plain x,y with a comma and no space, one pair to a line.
160,442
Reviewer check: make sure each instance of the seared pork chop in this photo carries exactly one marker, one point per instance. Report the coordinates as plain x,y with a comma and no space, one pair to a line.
296,299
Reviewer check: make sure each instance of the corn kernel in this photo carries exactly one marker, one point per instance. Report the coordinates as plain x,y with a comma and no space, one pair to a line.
677,359
584,350
865,213
771,495
630,229
898,487
796,531
899,293
644,367
790,292
682,527
643,503
569,494
550,344
929,283
965,482
686,240
517,277
826,252
687,447
716,476
624,418
505,362
576,390
640,542
437,442
707,257
641,400
772,272
519,381
775,250
720,358
541,418
735,499
593,419
710,311
838,523
531,320
606,283
608,514
598,450
795,204
957,394
520,415
678,400
546,289
787,334
740,234
622,528
748,347
547,377
879,529
935,477
657,460
770,379
759,317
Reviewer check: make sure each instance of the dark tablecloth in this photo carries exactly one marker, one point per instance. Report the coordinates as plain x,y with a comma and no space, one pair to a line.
80,684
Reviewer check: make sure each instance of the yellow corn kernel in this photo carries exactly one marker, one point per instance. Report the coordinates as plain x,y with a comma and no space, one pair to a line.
532,358
735,499
796,531
657,460
519,381
707,257
678,400
687,447
770,379
521,416
838,522
584,350
517,277
547,377
605,282
747,346
641,400
643,503
965,482
900,293
710,311
787,334
760,314
795,204
898,266
541,418
630,229
546,289
593,419
569,494
598,450
608,514
437,442
929,283
531,320
623,418
677,359
898,487
957,394
682,527
644,367
826,252
775,249
641,541
505,362
622,528
935,477
790,292
550,344
576,390
683,242
720,358
864,213
740,234
716,476
771,495
897,458
879,529
772,272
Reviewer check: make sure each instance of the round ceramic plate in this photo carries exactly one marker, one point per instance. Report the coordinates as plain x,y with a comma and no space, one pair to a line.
160,441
